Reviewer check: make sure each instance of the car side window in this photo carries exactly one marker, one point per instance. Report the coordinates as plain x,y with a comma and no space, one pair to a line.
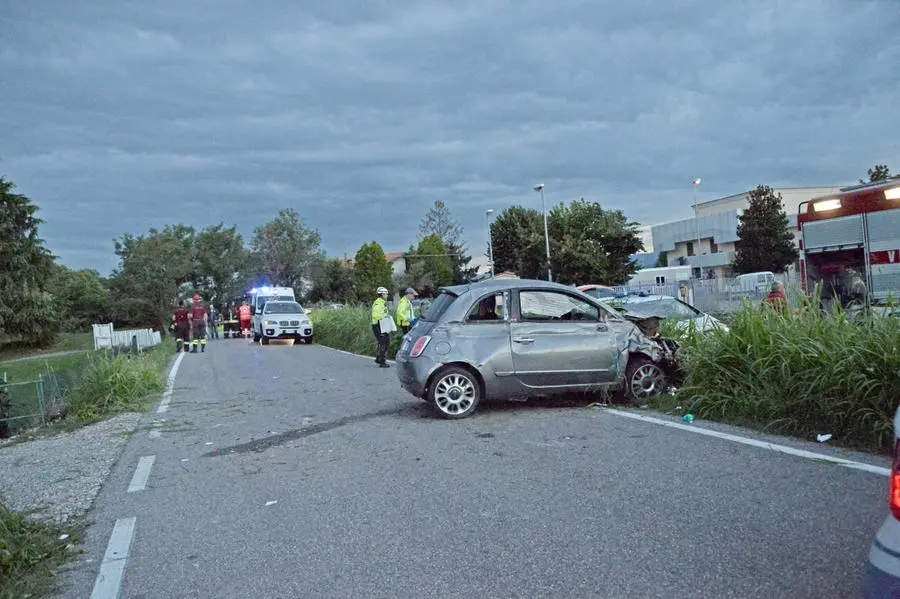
543,306
491,308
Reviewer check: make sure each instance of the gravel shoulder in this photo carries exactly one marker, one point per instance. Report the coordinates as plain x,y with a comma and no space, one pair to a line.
58,477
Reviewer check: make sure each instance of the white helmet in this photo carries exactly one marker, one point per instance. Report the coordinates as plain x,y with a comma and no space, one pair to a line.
382,291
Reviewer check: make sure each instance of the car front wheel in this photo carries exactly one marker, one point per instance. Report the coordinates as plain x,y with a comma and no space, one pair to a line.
644,379
455,393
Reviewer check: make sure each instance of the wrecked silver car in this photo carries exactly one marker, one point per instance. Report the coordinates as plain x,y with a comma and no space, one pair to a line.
519,338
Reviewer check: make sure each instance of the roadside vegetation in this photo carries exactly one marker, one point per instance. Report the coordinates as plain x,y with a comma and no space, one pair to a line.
350,329
802,374
31,554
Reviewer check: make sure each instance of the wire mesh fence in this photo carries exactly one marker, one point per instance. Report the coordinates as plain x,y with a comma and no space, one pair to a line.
28,404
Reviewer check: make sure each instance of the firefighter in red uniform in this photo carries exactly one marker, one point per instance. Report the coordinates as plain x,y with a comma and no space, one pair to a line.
198,324
246,317
181,319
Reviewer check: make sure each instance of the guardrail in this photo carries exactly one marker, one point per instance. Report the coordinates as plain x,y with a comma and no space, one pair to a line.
106,337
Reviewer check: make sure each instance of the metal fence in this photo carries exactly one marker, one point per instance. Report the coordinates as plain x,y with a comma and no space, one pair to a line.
716,296
27,404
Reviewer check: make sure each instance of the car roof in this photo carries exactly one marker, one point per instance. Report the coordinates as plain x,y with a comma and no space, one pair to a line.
503,284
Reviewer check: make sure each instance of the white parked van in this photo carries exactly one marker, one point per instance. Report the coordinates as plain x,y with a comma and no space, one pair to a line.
259,296
759,283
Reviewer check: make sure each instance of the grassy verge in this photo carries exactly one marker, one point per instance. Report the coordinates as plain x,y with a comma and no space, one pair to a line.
350,329
29,370
802,375
31,554
111,385
11,350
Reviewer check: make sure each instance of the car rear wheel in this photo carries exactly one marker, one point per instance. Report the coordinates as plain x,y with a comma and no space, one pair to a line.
644,379
455,393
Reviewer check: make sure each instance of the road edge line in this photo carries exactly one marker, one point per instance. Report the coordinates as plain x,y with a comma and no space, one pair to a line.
353,354
802,453
170,386
112,568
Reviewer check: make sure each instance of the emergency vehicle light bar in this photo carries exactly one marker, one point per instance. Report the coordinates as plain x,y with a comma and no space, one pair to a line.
824,205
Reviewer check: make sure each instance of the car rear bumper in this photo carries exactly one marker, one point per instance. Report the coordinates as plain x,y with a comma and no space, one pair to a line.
413,373
882,579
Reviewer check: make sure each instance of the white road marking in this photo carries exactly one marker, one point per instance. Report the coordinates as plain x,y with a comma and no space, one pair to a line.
141,473
354,355
112,568
802,453
170,385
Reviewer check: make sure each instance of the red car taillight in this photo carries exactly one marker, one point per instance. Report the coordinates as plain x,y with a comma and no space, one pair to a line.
419,347
895,482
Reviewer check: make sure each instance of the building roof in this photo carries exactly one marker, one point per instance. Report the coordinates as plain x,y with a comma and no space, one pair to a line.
394,256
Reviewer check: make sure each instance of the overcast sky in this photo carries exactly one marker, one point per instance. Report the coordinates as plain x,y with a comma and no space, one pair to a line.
122,115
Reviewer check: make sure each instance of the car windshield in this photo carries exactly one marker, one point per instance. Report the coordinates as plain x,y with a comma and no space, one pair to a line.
439,306
668,307
283,308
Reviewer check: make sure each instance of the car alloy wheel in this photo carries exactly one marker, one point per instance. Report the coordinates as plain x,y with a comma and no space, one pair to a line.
455,393
645,379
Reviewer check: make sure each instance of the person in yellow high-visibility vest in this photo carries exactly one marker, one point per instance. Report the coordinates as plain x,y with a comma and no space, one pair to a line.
406,314
380,312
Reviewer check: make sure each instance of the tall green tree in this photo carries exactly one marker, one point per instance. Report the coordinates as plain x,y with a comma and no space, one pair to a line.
591,245
82,296
332,281
428,267
439,221
371,271
152,270
222,262
518,240
765,241
27,310
287,249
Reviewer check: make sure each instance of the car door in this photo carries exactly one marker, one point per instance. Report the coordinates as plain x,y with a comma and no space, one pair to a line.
560,341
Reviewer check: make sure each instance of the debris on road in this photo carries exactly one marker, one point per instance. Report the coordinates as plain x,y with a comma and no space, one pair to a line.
689,418
268,503
823,438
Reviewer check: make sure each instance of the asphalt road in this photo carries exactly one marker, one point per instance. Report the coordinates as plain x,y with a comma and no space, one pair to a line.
377,498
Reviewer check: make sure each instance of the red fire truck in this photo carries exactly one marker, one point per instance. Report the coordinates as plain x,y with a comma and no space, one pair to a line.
852,236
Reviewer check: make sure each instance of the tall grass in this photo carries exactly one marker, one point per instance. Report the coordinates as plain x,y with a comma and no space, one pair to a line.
350,329
110,385
801,374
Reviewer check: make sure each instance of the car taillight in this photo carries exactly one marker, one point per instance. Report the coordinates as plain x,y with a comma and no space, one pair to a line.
419,347
895,482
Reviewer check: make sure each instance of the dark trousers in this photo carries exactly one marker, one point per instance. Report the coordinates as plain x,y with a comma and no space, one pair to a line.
383,341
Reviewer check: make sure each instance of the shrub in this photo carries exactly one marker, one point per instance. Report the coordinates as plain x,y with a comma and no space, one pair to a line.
109,385
799,374
350,329
30,555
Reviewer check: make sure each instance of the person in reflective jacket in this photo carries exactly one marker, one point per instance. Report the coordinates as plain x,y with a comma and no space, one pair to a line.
406,314
379,312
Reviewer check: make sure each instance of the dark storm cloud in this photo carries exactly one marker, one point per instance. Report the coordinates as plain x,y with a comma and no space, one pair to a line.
119,116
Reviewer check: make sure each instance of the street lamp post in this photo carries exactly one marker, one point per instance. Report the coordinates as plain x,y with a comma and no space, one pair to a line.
697,223
540,187
487,217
